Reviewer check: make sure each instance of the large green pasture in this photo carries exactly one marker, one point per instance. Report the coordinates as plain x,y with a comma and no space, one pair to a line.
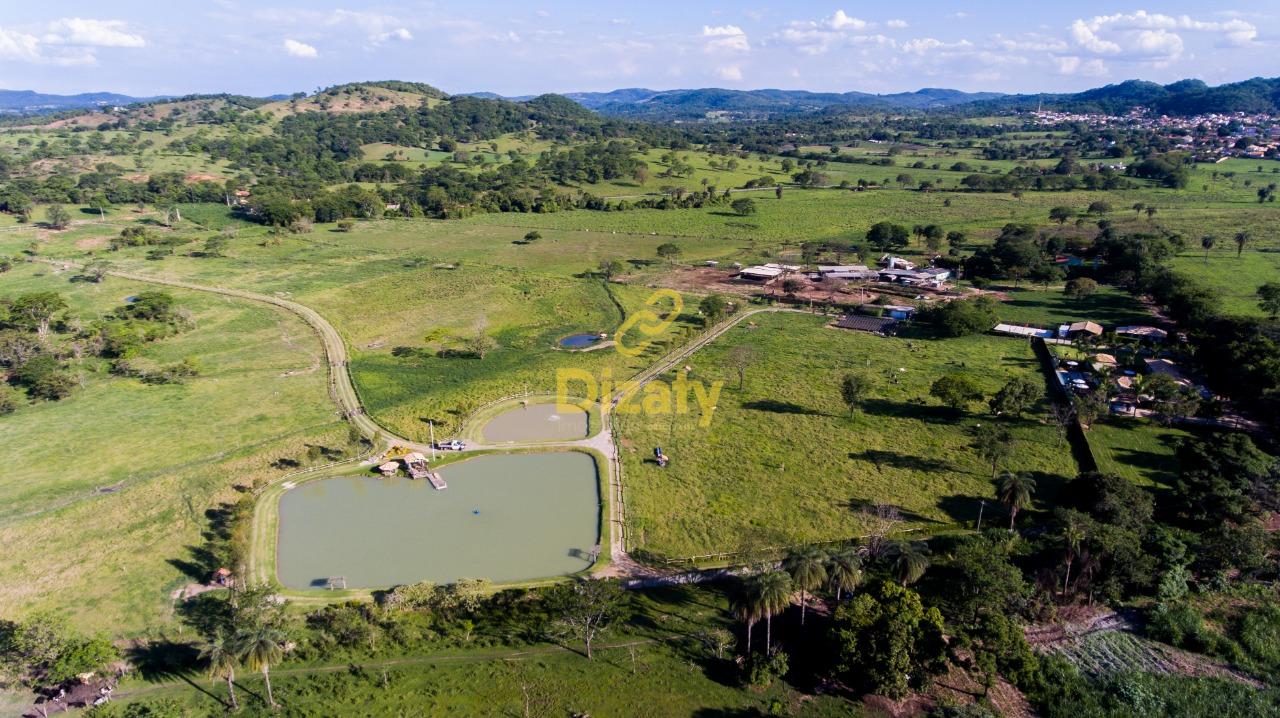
782,463
106,487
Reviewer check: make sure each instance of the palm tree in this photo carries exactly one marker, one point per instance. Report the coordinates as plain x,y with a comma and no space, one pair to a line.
844,572
1015,492
1207,242
260,647
808,570
220,652
911,560
1072,536
772,594
743,606
1242,238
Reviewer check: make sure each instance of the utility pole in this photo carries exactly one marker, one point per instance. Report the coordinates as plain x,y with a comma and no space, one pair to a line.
431,425
982,504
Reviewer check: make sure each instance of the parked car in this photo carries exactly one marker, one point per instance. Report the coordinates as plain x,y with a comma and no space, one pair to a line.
452,445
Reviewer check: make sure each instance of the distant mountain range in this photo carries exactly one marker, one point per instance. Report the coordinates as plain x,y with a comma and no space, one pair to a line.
642,103
27,102
1185,97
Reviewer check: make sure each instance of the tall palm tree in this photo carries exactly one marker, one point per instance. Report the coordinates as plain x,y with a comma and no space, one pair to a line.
1207,242
1072,536
910,560
772,593
808,570
259,647
1015,492
743,606
1242,238
220,652
844,572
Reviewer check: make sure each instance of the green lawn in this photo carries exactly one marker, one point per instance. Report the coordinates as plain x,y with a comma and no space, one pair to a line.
1235,279
781,463
1109,306
1139,450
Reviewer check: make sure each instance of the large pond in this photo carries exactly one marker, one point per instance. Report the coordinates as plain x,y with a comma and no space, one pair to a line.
504,517
580,341
537,422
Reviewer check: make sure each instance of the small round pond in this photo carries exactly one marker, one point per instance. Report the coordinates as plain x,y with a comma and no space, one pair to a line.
579,341
504,517
537,422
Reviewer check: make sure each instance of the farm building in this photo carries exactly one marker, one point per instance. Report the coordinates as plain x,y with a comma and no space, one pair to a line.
416,464
1018,330
766,273
848,272
1149,334
1076,329
389,469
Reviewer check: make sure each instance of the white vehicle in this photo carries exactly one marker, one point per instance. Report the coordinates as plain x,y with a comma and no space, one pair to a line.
452,445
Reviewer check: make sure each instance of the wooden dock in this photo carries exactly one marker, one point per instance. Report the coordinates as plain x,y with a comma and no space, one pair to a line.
436,482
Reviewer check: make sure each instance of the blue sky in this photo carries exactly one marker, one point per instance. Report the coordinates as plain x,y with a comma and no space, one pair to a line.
269,46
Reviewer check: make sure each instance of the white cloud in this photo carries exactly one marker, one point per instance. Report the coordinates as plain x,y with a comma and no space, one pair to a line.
300,49
1073,65
841,21
925,45
1152,37
725,38
19,46
377,27
731,73
92,33
896,24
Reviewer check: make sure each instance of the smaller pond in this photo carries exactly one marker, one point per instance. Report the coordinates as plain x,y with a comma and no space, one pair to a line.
537,422
504,517
580,341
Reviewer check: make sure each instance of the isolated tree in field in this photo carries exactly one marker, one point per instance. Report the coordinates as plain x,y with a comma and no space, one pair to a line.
669,251
743,206
713,308
1015,492
1016,397
258,648
1207,243
1061,214
480,344
1151,212
992,443
1138,207
844,572
887,236
955,241
36,310
219,651
97,270
587,609
808,570
1242,238
1099,207
956,391
933,235
792,286
740,358
1080,288
772,594
1269,299
854,389
532,236
910,560
57,217
214,246
102,204
610,268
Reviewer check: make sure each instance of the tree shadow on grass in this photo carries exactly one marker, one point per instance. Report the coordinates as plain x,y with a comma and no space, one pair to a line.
205,559
164,660
859,505
906,410
781,407
902,461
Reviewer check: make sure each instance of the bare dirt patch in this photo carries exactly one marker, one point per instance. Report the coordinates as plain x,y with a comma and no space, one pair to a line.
91,243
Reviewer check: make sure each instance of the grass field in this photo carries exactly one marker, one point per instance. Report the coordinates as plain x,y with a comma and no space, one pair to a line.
1141,451
782,463
1108,306
132,467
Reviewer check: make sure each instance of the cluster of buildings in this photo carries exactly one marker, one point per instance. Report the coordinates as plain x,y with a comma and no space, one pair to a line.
1209,137
892,270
